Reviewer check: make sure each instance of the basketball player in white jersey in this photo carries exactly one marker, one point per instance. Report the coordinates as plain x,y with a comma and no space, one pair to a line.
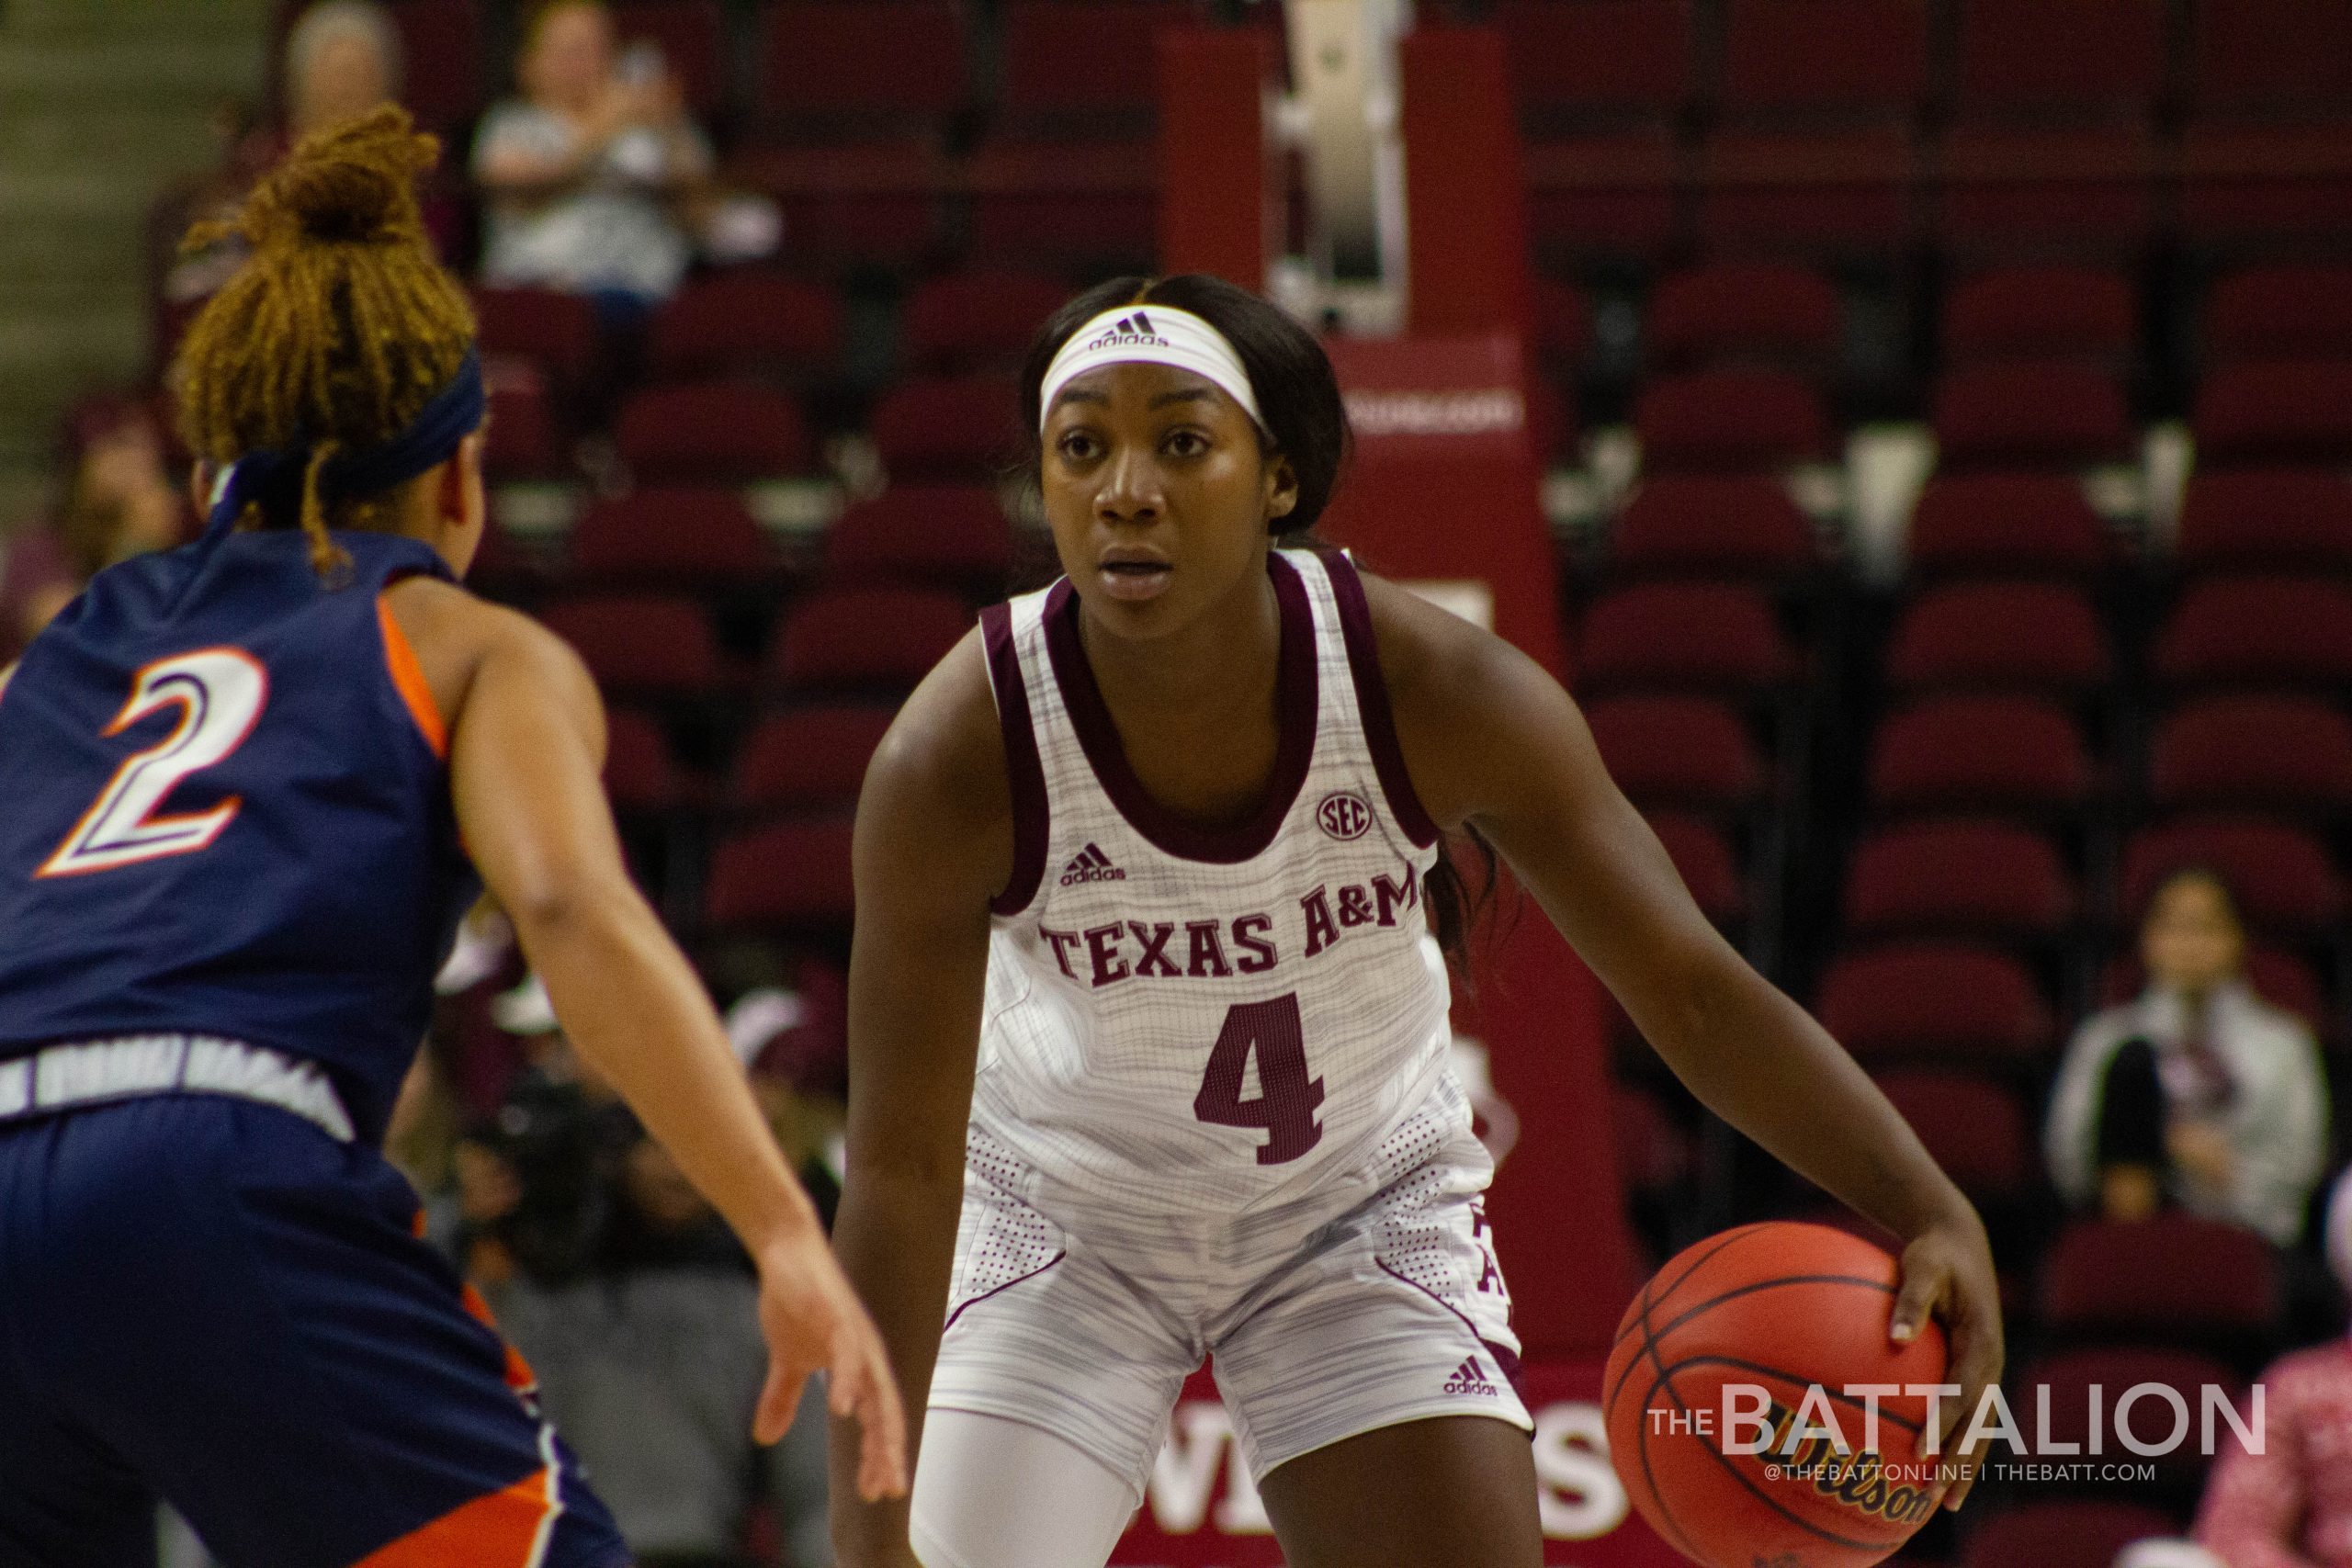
1149,1027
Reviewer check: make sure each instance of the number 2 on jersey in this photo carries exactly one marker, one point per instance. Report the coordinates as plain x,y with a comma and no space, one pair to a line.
219,692
1286,1097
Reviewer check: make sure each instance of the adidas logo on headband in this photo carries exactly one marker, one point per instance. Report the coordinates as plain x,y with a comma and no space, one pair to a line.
1133,331
1163,335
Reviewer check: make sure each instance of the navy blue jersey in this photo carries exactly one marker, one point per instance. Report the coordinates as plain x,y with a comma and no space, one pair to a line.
224,809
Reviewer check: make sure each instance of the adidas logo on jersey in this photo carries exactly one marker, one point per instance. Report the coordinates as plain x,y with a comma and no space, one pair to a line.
1470,1378
1091,865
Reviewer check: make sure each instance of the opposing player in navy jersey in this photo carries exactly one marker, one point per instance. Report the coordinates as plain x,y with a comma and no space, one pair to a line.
1149,1026
246,785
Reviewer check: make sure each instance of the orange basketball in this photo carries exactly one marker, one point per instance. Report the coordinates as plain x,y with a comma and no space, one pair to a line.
1747,1323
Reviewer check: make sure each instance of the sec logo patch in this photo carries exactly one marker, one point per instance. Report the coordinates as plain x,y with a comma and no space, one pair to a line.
1343,814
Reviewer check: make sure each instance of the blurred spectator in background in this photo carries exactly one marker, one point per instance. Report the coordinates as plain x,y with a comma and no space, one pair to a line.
2197,1092
342,58
119,502
2290,1505
589,176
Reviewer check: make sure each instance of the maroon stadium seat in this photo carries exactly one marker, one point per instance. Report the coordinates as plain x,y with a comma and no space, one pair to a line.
2281,875
1743,311
1715,525
691,537
1956,875
2293,519
1815,149
1940,999
2270,57
1969,751
1551,420
959,429
2276,410
807,757
1708,636
527,439
2258,753
1730,419
794,874
642,642
2043,57
2025,414
2007,524
2042,313
2029,636
952,532
2010,189
1087,206
2168,1275
441,58
2249,183
1824,57
1684,750
553,330
707,431
885,638
640,772
977,321
1087,65
2282,310
1974,1128
1599,62
2283,979
691,35
747,321
2275,630
871,63
1704,861
2078,1533
1560,325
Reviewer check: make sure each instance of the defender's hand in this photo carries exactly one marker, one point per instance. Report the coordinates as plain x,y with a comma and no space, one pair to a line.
812,1320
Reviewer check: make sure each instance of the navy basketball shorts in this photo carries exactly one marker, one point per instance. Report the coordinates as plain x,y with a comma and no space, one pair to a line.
215,1303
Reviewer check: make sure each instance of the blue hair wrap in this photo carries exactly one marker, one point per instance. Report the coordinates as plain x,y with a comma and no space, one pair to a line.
272,478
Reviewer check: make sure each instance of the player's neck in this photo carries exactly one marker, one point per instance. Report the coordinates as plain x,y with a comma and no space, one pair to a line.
1225,661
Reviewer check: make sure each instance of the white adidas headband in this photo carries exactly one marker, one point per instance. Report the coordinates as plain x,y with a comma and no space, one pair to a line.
1153,334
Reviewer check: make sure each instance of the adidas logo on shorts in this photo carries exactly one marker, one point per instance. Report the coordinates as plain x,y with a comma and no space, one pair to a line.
1470,1378
1091,865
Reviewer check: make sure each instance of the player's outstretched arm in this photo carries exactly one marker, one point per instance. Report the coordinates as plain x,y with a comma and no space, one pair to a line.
1491,740
934,843
526,741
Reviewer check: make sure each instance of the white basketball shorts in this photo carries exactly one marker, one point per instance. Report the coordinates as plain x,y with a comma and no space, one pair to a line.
1395,1311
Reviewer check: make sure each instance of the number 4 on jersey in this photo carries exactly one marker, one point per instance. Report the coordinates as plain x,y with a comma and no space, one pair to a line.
219,692
1286,1097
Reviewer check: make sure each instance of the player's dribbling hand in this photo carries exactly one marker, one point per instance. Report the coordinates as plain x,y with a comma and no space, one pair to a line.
813,1320
1948,1271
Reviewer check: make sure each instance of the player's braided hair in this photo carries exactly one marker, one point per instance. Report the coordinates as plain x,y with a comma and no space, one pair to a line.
341,326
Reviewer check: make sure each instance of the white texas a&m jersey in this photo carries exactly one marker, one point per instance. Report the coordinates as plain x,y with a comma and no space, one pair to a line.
1195,1023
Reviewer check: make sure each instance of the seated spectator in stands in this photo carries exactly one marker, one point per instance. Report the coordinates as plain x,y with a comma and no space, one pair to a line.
342,58
2198,1090
589,173
119,502
2290,1505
